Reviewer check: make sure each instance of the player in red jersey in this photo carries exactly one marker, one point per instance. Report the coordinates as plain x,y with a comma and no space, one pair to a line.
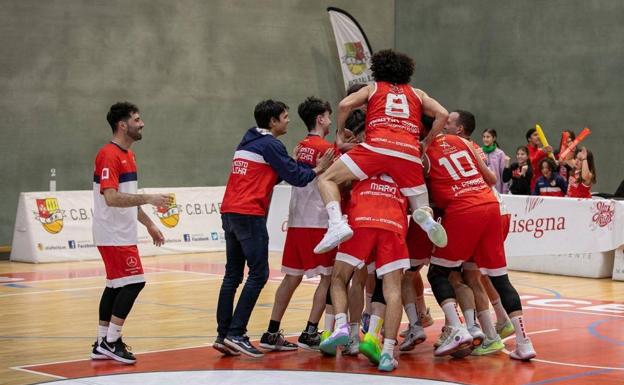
392,146
116,209
459,188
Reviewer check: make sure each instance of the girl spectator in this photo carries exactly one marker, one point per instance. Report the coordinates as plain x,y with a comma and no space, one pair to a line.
566,166
550,183
583,176
519,174
536,154
495,158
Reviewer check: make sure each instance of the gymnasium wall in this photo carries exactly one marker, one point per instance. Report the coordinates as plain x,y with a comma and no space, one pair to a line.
517,63
195,68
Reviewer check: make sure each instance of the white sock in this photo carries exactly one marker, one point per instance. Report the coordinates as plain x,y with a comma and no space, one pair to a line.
485,319
368,308
421,306
329,321
469,317
113,333
374,326
334,212
354,331
518,324
501,314
101,333
388,346
450,313
341,319
412,314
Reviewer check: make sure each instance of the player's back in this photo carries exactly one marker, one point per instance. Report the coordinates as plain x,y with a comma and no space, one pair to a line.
454,182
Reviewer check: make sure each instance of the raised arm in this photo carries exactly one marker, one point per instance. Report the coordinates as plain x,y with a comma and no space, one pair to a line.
432,108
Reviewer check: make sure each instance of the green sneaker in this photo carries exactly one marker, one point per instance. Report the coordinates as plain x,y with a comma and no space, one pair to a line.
387,363
489,347
506,330
338,337
325,335
371,348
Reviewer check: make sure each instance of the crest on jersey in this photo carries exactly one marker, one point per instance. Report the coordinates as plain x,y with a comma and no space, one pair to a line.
169,215
50,215
355,57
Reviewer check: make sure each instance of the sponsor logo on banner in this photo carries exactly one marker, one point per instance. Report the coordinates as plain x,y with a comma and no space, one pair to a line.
214,236
169,215
355,57
536,226
187,237
72,244
603,214
50,215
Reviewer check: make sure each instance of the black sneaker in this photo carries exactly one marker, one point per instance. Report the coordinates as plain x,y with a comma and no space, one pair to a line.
117,350
242,344
310,341
276,342
95,355
223,348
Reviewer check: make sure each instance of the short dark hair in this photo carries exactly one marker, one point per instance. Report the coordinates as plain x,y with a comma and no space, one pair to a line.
356,121
353,88
529,133
392,67
310,108
466,119
120,111
267,109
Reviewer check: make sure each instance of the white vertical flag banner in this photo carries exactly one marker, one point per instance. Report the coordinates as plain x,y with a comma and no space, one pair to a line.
354,50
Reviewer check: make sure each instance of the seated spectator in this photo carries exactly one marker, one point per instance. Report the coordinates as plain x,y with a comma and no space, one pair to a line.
566,165
583,176
519,174
536,154
550,183
495,158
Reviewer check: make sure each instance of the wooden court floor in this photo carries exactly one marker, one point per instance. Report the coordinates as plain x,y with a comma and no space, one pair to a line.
48,322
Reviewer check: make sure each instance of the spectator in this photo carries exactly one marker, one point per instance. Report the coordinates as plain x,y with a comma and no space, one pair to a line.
519,174
495,158
536,154
549,183
583,175
566,166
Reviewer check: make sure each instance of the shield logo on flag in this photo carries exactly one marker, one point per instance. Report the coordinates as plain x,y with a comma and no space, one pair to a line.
49,215
169,215
355,58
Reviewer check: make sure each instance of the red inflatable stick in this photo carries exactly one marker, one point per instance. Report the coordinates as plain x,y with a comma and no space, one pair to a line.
572,146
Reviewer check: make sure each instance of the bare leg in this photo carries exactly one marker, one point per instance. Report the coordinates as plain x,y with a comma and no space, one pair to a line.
283,295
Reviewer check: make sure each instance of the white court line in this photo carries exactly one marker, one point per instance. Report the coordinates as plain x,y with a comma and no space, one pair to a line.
573,311
63,279
20,369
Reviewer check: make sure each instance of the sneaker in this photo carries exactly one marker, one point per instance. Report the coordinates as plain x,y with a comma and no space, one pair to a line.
339,337
462,353
523,351
95,355
435,231
117,350
352,348
505,330
310,341
426,319
387,363
440,338
325,335
489,347
371,348
477,335
242,345
415,336
365,322
453,339
336,233
276,342
220,346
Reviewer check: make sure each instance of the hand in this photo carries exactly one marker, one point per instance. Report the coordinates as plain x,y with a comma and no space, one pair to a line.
324,161
347,136
548,149
295,151
159,200
157,237
507,160
523,170
583,152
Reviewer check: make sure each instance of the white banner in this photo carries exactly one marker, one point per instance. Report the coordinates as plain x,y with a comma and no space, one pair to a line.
354,50
277,221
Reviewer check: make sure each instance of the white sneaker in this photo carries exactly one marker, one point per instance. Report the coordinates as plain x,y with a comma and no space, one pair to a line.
523,351
415,336
336,233
434,230
352,348
453,338
477,335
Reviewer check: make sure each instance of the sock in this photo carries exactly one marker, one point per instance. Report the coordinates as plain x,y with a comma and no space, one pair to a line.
329,321
374,327
501,314
113,333
421,306
101,333
368,307
469,317
341,319
412,314
388,346
451,314
354,331
274,326
311,327
334,212
485,319
518,324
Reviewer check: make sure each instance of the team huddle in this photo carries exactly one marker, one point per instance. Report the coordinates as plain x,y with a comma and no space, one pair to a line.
402,187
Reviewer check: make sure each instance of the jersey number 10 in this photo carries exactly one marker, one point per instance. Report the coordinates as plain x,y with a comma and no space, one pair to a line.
454,165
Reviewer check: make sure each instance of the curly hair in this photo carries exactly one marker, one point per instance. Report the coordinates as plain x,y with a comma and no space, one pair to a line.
392,67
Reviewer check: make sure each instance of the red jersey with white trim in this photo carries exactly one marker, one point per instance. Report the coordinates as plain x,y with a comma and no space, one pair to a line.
376,202
455,183
115,168
306,206
576,187
250,184
478,150
393,119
